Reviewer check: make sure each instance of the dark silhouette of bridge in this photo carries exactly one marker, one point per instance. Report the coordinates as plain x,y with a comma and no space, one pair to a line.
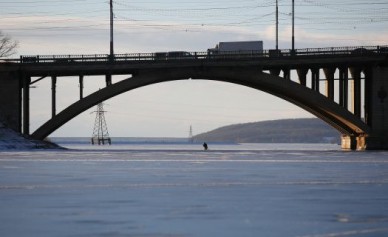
353,100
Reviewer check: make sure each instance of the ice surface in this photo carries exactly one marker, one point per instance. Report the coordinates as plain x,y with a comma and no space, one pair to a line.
251,192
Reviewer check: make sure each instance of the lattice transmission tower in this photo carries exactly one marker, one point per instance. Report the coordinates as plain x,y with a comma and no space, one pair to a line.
191,138
100,130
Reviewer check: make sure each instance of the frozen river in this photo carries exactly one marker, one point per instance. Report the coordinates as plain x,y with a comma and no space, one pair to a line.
184,191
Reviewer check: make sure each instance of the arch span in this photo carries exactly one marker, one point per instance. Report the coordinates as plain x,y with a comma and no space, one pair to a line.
314,102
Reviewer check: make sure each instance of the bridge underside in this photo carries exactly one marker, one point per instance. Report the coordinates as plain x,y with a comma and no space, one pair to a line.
350,126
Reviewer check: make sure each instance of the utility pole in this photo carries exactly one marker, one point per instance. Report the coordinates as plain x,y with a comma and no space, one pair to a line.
293,26
111,31
277,26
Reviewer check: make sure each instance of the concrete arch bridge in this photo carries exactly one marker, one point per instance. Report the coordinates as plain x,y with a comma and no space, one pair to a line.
353,101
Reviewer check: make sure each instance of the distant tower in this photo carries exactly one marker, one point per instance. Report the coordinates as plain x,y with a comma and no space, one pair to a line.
191,139
100,131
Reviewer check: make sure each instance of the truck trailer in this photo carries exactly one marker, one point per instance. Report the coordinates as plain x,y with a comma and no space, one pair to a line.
237,47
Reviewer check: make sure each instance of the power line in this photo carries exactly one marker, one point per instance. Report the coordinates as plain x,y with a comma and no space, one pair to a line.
190,15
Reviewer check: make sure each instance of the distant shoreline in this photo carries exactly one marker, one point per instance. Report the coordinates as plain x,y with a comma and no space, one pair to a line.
134,140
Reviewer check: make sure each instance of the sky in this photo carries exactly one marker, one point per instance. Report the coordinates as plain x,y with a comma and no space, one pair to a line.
50,27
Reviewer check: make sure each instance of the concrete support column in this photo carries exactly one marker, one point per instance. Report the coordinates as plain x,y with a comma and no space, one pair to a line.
108,79
353,142
315,79
53,95
11,84
287,74
329,74
377,85
368,112
356,91
274,72
26,105
81,87
343,87
302,74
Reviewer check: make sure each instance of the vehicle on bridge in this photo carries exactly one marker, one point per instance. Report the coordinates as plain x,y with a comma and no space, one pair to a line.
173,55
29,59
237,47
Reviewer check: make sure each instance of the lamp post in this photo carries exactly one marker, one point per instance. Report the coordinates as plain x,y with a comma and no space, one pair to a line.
111,31
277,26
293,26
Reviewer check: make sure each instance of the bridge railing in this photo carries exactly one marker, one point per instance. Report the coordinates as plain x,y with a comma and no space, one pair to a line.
209,55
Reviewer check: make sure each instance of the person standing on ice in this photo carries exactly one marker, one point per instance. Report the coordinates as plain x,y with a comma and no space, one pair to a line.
204,146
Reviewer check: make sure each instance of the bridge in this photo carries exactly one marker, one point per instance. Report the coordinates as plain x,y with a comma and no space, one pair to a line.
353,101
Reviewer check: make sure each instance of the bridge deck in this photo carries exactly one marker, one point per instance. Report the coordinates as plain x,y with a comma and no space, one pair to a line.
183,55
97,64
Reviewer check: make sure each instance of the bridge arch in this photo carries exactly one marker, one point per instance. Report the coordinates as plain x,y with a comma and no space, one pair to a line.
311,101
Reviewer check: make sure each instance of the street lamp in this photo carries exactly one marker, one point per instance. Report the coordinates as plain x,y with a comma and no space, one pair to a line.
277,26
293,26
111,30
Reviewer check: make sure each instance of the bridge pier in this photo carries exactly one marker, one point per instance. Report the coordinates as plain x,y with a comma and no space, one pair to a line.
358,143
11,99
377,107
26,105
376,110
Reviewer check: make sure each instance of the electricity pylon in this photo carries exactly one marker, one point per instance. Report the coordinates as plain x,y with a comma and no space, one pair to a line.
100,131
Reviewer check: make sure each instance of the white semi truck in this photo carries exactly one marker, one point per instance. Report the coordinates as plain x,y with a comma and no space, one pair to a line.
237,47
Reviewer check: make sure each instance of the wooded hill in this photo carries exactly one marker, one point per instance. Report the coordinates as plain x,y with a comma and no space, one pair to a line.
309,130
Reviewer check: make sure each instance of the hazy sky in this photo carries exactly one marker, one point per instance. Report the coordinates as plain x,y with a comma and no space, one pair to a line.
49,27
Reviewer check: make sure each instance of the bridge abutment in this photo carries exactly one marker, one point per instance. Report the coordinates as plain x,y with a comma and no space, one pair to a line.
377,108
10,99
